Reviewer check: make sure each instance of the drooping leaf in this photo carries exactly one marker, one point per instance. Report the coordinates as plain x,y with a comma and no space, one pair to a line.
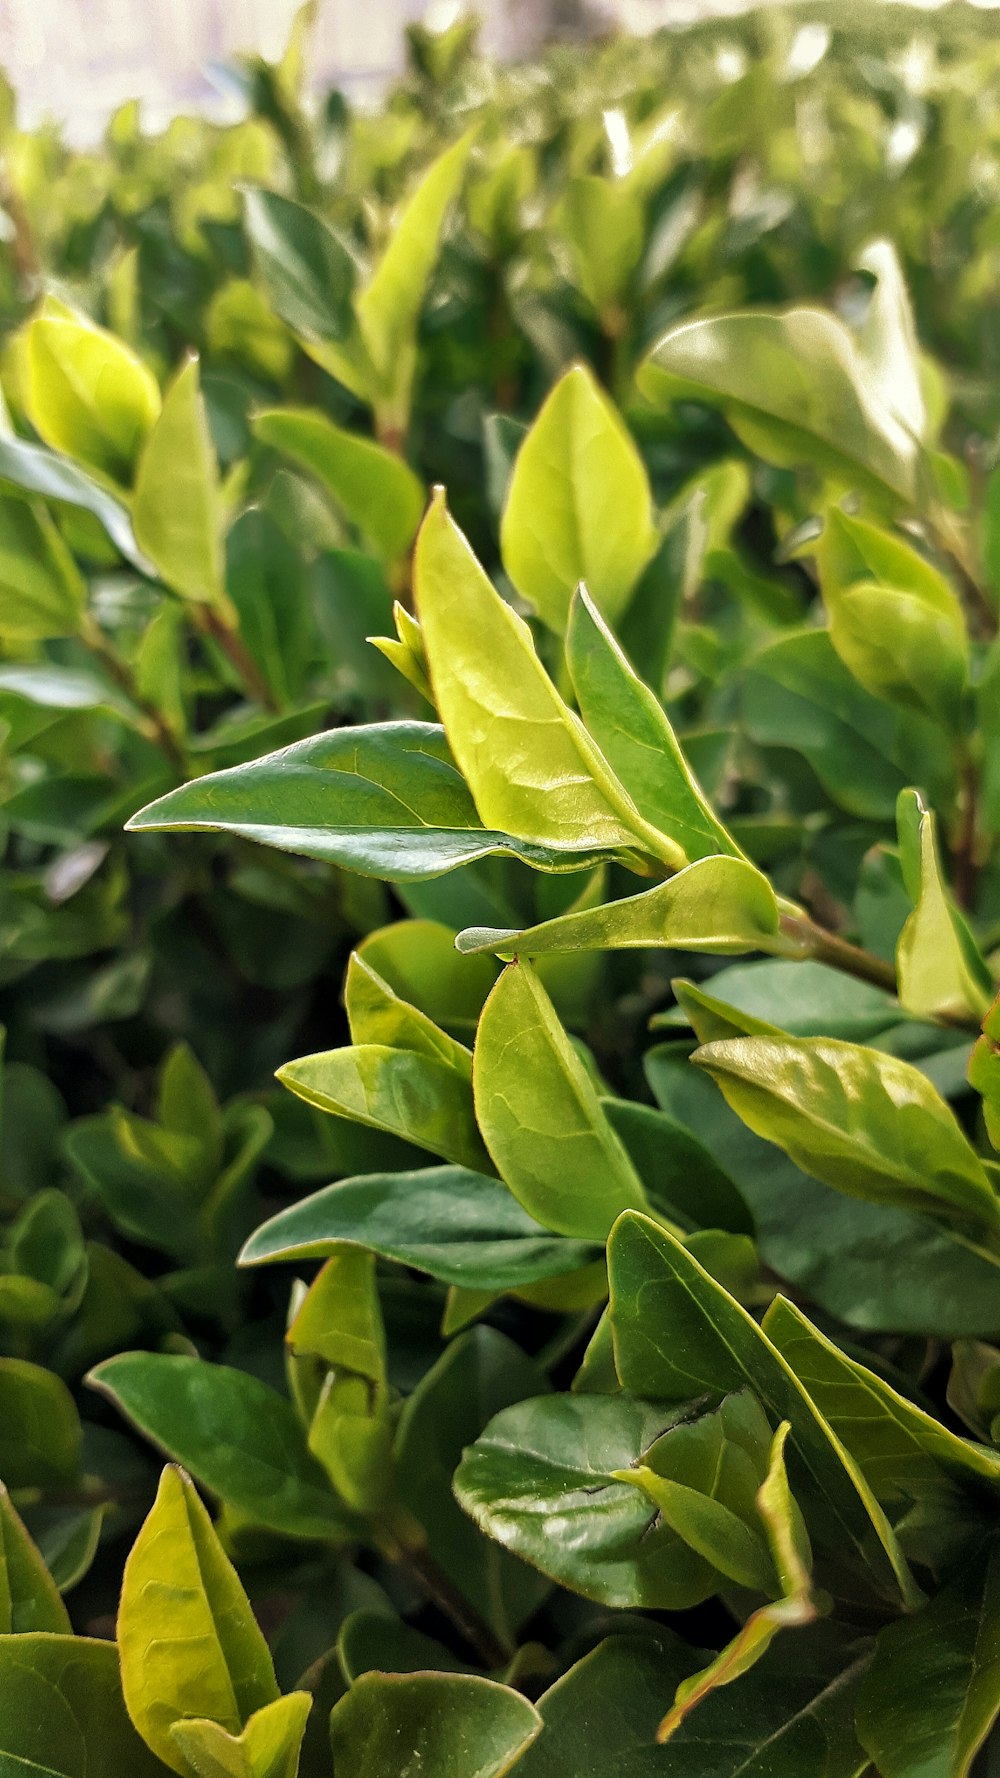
237,1436
720,905
463,1228
795,388
403,1091
864,1122
305,268
384,799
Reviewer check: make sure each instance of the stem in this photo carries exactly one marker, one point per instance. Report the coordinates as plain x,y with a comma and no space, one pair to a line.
406,1544
237,653
828,947
965,846
118,669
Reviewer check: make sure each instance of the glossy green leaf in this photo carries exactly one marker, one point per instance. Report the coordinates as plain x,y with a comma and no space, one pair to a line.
477,1375
578,505
631,728
864,1122
29,1598
403,1091
374,488
463,1228
545,1480
798,694
63,1712
375,1014
872,1265
529,762
604,1711
237,1436
795,388
541,1117
452,1724
88,394
340,1320
719,905
176,508
190,1645
932,1692
677,1331
384,799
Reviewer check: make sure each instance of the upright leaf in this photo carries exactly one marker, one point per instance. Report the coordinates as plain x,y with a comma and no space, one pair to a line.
578,505
541,1117
88,394
529,762
190,1644
29,1598
177,509
938,964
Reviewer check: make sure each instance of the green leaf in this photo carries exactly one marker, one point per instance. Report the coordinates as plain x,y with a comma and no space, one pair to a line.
455,1725
388,309
560,1481
476,1376
88,394
677,1331
237,1436
403,1091
384,799
984,1071
29,1598
797,693
900,1449
42,593
938,965
541,1117
603,1713
40,1433
267,585
419,960
307,272
864,1122
461,1227
631,728
375,1014
795,388
601,221
803,999
177,507
39,471
375,489
63,1713
528,760
190,1644
932,1692
719,905
871,1265
894,620
269,1746
340,1320
578,505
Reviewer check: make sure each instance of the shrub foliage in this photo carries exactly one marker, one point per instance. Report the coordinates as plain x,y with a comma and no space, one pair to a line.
581,1361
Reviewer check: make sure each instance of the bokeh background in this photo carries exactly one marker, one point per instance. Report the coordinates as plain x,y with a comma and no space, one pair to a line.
76,60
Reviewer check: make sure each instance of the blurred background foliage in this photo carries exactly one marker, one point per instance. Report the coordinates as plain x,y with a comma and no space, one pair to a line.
612,189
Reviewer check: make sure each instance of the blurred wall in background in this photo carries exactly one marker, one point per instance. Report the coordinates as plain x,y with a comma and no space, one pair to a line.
76,60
